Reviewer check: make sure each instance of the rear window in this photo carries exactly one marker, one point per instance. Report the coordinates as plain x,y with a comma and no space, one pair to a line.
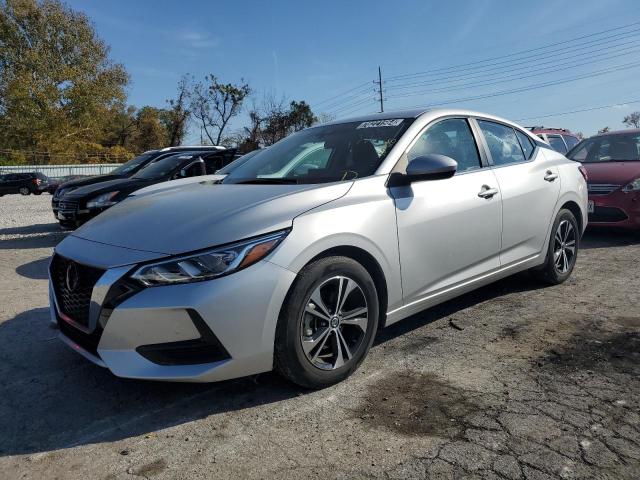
526,144
557,144
571,141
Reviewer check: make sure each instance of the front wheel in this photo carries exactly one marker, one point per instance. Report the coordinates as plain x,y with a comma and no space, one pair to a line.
327,323
24,191
562,250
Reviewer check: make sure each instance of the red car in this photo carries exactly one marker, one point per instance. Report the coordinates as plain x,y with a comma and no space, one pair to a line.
612,162
560,139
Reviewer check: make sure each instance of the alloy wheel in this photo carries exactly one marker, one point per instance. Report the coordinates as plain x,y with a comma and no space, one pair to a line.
334,323
564,246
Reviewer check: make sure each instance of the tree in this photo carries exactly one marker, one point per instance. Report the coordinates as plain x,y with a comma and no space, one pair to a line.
214,104
632,120
150,133
280,121
604,130
58,85
175,117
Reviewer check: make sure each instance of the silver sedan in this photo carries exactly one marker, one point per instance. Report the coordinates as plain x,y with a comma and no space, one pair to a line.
296,259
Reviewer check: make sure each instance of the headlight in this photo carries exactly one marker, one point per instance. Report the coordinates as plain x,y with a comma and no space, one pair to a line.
210,264
633,186
104,200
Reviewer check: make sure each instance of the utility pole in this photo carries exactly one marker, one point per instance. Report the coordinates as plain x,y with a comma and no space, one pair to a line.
379,83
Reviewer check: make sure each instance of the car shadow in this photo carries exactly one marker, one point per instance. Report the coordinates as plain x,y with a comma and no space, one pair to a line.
36,270
54,399
606,238
45,235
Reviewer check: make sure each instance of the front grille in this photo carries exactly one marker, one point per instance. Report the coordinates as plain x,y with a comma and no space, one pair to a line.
601,188
73,284
67,206
607,214
88,341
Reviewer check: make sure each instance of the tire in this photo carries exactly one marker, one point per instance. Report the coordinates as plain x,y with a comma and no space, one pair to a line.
37,192
347,338
557,268
24,191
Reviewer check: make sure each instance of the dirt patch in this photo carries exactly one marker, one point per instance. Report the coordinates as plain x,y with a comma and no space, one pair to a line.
150,469
417,404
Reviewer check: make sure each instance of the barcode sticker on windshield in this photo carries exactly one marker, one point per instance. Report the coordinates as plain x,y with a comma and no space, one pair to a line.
381,123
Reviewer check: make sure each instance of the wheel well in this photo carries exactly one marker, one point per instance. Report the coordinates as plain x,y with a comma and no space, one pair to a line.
575,209
365,259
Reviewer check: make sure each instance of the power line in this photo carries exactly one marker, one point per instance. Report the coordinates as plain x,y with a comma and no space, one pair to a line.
342,94
535,86
590,109
525,66
514,77
470,64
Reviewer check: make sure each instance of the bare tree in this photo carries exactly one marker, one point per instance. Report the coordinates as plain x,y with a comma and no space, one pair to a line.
175,117
214,104
604,130
632,120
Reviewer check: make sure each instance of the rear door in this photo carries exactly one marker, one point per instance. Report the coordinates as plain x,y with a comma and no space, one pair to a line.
447,231
530,186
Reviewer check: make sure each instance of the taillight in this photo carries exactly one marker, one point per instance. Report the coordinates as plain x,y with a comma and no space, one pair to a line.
583,171
37,181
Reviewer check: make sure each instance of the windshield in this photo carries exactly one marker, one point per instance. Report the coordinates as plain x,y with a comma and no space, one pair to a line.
329,153
132,164
163,167
620,147
236,163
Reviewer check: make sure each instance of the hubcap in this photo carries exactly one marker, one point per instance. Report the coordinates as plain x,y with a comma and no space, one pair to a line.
564,247
334,323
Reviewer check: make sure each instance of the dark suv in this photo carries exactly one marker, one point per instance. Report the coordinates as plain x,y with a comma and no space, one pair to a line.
126,170
23,183
560,139
84,203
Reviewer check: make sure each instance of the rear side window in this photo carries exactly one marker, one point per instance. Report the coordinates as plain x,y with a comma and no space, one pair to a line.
557,144
451,137
570,140
502,142
526,144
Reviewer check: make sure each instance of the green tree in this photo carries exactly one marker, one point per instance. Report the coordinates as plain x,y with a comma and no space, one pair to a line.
214,104
57,84
150,132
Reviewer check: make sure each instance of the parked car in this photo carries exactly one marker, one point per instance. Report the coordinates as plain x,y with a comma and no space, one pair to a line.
560,139
23,183
54,183
84,203
297,271
126,170
612,163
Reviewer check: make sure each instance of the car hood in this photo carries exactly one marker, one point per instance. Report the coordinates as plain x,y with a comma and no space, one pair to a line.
174,184
124,185
204,215
83,182
618,173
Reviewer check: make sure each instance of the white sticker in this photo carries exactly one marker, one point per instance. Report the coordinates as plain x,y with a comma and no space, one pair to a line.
381,123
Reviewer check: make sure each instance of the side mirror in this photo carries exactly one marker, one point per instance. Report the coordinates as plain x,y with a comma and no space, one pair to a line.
431,167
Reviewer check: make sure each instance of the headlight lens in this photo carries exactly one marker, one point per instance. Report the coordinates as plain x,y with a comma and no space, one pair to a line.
104,200
633,186
210,264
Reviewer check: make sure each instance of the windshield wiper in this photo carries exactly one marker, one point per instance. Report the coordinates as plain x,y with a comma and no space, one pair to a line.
266,181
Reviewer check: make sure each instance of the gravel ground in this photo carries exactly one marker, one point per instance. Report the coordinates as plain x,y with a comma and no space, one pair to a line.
512,381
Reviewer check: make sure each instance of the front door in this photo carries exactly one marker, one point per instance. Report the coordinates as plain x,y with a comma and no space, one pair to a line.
449,230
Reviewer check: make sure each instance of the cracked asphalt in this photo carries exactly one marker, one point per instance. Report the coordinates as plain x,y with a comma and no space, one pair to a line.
512,381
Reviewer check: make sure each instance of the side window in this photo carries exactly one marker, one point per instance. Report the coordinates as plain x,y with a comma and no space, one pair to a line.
526,144
212,164
502,142
451,137
557,144
570,140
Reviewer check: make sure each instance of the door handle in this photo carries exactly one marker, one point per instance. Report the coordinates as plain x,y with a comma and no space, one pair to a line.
550,176
487,192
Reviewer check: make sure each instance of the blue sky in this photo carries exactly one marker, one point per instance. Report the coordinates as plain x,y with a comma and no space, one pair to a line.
315,50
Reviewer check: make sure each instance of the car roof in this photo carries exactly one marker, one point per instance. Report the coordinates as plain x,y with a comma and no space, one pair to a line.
619,132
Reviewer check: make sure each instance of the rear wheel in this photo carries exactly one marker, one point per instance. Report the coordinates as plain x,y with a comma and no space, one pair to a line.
24,191
37,192
327,323
562,250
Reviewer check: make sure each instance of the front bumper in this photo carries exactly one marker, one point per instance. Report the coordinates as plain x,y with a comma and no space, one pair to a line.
240,310
616,209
